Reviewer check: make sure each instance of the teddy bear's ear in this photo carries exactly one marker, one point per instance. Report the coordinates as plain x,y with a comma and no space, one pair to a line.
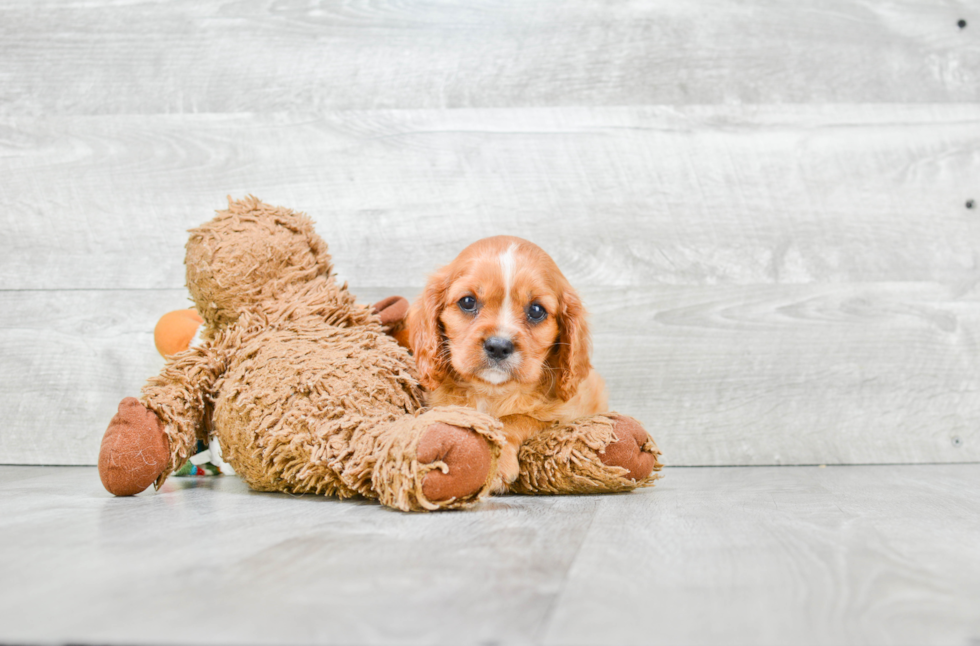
425,335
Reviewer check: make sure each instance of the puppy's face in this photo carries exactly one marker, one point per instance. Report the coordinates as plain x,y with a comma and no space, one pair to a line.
499,321
501,312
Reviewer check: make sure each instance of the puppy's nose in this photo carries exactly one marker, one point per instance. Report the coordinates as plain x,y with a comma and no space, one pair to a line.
498,348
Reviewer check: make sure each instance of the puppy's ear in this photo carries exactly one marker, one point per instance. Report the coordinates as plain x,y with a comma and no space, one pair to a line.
574,345
425,335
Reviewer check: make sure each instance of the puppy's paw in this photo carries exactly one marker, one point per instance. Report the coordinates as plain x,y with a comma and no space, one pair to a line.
507,469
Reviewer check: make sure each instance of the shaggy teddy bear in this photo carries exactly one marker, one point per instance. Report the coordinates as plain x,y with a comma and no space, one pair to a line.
307,393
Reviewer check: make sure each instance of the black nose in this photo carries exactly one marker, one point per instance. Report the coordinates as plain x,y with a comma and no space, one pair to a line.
498,348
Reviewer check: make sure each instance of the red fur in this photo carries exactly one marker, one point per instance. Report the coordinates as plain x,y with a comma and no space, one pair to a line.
574,346
426,335
554,379
549,378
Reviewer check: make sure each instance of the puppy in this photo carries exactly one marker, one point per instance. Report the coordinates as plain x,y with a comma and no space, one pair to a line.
501,330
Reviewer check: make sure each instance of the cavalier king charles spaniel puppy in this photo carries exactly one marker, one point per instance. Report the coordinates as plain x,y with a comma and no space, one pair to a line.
501,330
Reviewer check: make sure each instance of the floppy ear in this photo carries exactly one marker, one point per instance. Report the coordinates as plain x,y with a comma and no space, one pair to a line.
425,335
574,345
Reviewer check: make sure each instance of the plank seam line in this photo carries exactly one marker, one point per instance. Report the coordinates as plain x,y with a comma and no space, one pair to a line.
549,612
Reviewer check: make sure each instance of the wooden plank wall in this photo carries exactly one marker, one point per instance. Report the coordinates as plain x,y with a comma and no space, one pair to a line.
764,204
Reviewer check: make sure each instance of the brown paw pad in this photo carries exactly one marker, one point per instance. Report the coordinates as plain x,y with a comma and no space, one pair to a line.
467,456
135,450
627,451
391,310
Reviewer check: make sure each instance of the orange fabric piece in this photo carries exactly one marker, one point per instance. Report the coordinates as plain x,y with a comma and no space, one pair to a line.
175,331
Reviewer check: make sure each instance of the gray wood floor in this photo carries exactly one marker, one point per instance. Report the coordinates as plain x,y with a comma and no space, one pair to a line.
748,555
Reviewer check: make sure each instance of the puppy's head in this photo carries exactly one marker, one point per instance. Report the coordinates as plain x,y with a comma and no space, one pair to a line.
501,312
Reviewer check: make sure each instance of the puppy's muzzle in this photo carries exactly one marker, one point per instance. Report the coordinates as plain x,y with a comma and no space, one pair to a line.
498,349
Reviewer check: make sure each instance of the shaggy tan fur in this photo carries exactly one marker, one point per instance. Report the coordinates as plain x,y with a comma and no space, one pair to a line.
308,394
569,459
303,388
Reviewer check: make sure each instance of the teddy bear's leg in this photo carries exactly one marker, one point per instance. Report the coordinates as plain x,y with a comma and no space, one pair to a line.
445,458
596,454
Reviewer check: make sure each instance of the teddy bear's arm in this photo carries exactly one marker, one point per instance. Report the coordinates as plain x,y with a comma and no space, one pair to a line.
393,312
602,453
182,394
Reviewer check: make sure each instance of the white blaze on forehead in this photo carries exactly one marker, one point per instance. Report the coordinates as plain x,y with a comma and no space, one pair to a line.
505,324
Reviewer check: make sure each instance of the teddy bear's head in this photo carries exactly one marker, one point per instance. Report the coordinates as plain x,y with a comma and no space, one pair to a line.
239,259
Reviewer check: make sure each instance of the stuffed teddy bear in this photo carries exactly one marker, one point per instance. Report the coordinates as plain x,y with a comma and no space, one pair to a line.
308,392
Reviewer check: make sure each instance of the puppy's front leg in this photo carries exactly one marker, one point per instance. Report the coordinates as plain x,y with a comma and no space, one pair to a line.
517,428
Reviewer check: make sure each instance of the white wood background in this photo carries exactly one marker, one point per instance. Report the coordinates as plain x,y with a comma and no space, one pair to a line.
763,204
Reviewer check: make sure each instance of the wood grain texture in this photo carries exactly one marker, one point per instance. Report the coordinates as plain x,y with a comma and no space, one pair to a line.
791,555
848,555
69,357
619,196
795,374
68,57
763,203
720,375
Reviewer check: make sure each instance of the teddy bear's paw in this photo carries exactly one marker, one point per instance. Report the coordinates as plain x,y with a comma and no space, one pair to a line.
466,456
392,310
135,449
634,449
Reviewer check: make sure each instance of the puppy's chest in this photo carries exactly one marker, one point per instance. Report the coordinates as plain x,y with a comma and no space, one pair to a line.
504,405
498,408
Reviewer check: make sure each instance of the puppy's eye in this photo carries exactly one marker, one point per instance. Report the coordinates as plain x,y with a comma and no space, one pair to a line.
536,313
467,304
